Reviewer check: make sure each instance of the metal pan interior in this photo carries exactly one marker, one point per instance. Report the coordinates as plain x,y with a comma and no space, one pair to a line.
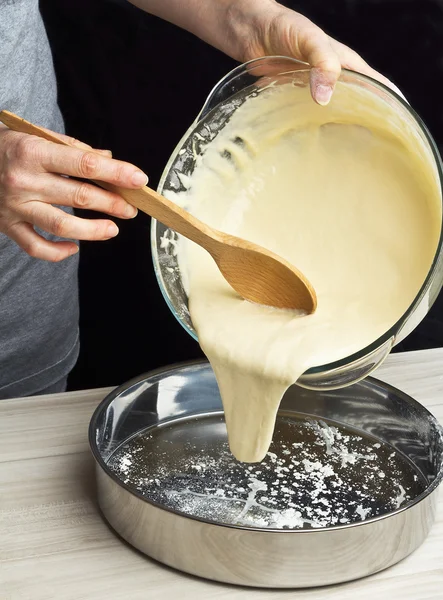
339,458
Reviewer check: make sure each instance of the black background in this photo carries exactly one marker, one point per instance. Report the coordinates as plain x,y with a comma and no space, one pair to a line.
133,83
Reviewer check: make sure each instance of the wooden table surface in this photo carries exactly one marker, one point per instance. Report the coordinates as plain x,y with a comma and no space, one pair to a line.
55,545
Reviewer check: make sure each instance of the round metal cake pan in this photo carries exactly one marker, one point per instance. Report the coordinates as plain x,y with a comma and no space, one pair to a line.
254,556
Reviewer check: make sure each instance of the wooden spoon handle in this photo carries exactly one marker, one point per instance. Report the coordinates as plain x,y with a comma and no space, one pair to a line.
145,199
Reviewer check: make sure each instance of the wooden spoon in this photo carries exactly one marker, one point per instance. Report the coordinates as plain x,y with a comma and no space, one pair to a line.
255,273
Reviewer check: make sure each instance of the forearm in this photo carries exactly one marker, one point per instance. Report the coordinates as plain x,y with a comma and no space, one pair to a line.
225,24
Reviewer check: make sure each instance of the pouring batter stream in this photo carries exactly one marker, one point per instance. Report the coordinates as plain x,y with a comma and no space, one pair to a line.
349,198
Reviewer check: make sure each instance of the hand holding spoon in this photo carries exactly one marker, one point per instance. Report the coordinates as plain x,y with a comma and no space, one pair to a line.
255,273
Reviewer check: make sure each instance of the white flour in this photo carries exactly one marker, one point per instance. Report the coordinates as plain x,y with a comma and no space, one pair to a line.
333,477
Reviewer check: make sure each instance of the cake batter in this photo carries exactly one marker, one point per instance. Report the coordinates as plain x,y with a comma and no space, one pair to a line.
349,198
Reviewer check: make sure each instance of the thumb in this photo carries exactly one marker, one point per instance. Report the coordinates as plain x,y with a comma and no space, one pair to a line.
325,65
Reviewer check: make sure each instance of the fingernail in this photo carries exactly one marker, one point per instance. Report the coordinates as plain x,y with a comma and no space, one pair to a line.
112,230
323,94
74,251
139,178
130,211
108,152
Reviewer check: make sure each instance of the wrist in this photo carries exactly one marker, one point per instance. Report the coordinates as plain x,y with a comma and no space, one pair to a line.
244,26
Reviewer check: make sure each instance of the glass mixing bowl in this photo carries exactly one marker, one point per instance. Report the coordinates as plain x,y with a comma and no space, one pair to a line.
235,88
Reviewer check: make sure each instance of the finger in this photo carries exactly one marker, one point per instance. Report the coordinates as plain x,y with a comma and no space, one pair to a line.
316,49
69,192
87,165
59,223
37,246
354,62
75,142
68,139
